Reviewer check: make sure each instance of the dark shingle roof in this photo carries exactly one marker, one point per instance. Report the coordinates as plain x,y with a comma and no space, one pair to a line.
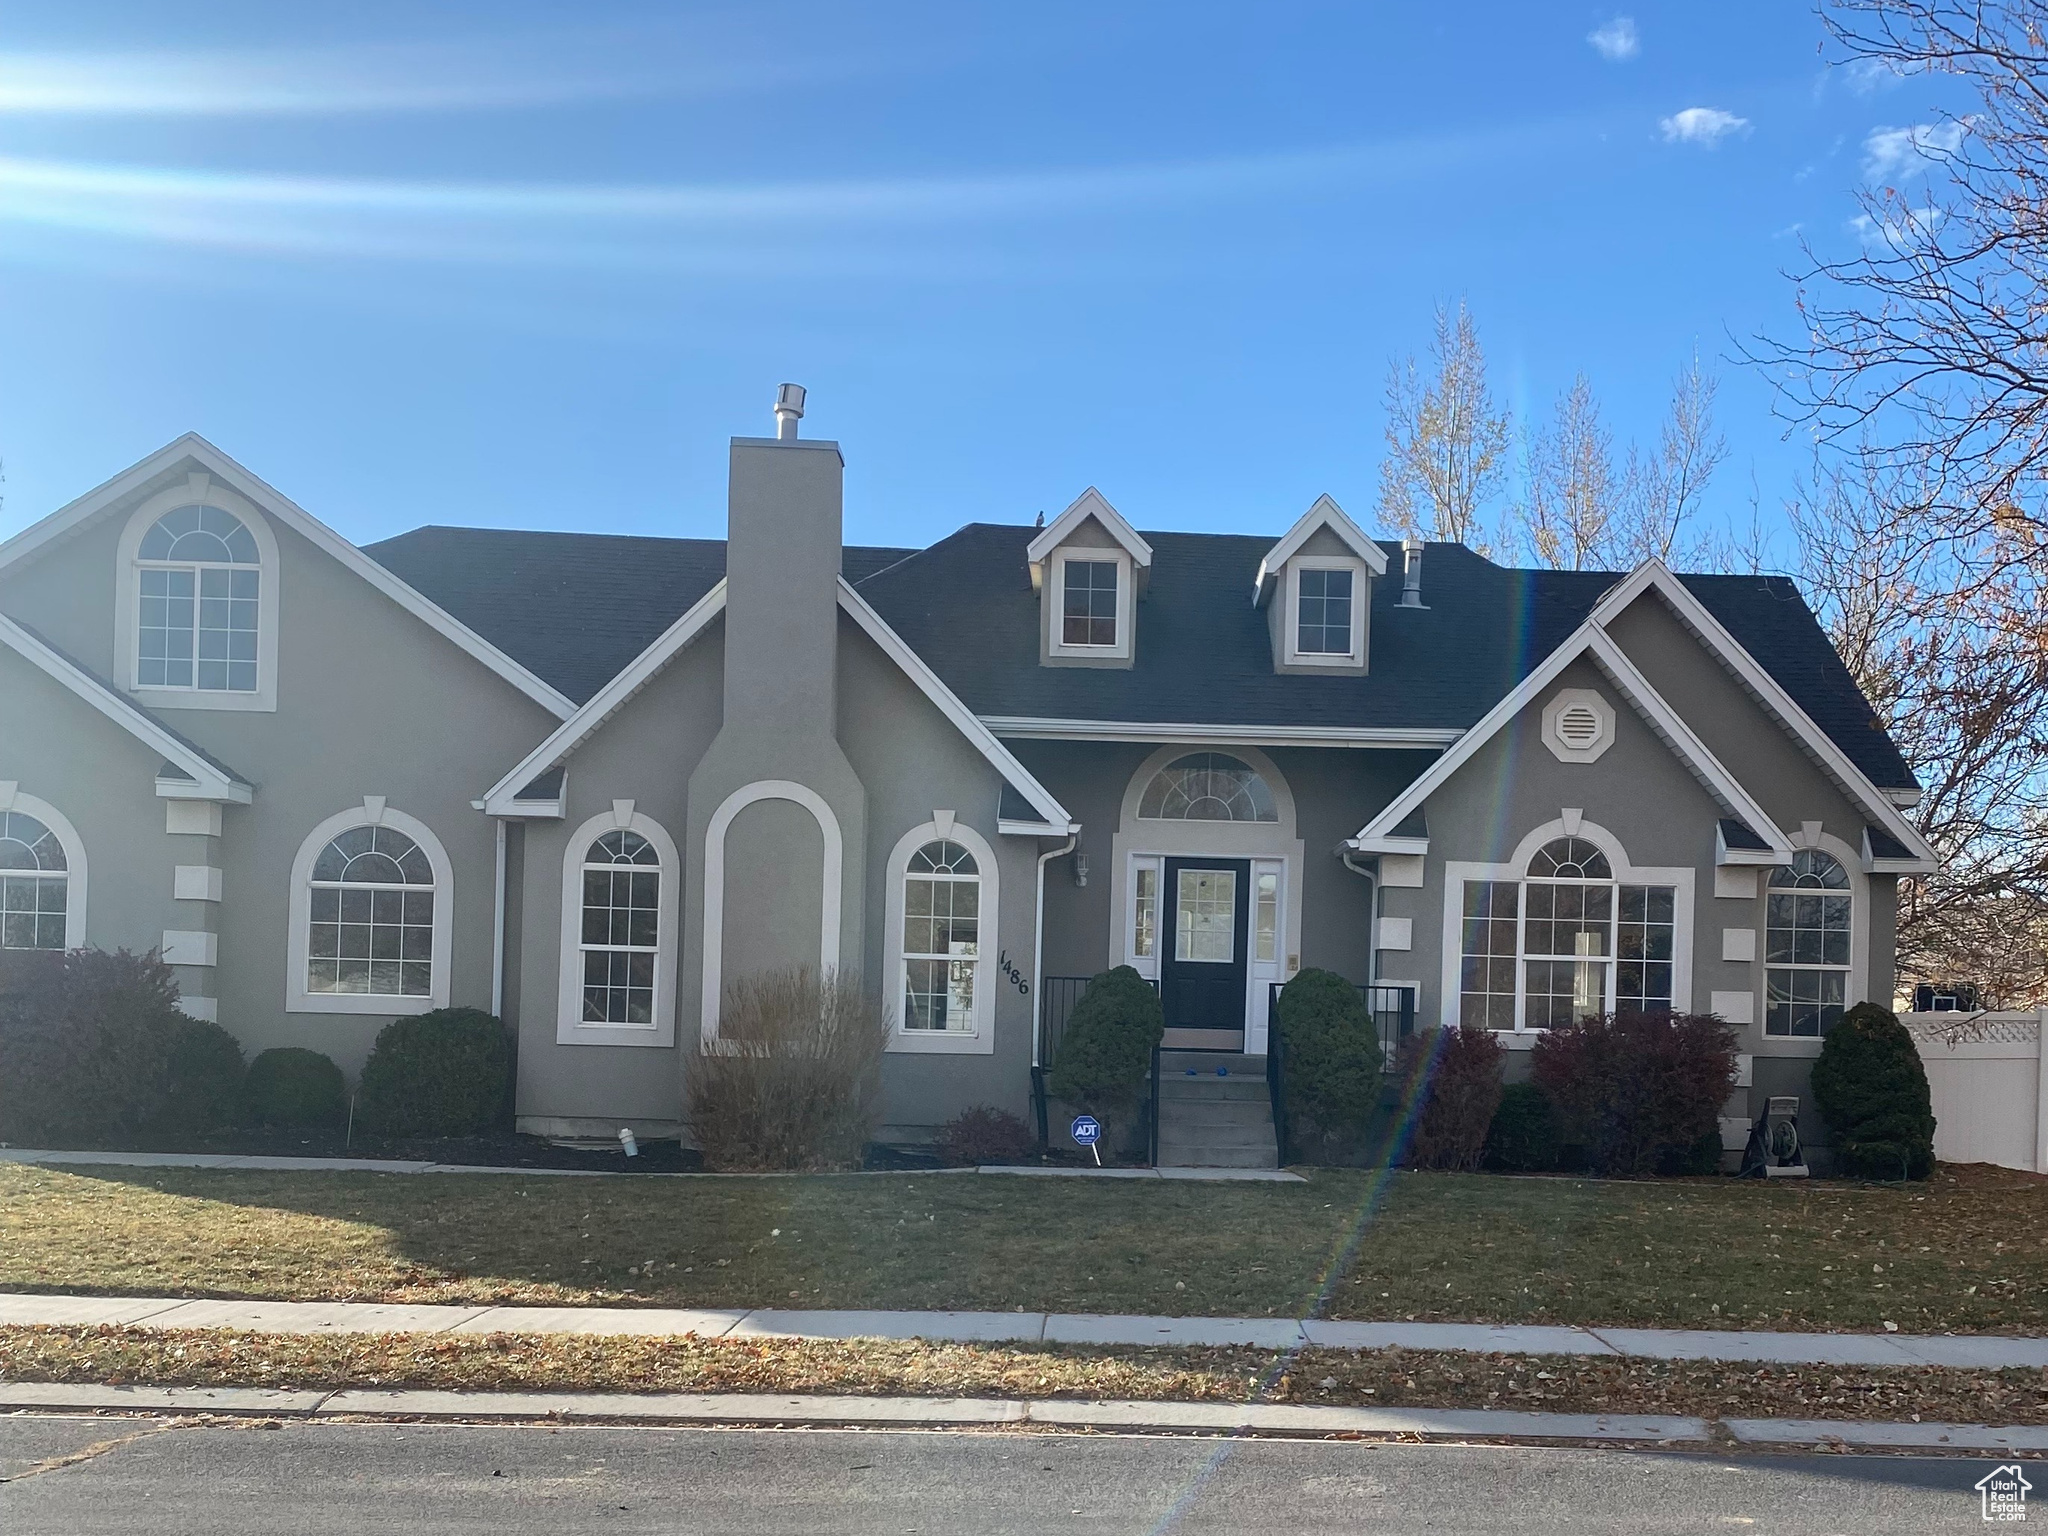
576,608
573,608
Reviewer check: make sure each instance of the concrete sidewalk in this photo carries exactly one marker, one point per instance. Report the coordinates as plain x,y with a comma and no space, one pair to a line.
393,1165
1970,1351
1113,1416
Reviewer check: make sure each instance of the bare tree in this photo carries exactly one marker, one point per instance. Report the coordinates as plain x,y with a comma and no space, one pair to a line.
1447,442
1662,490
1955,666
1567,518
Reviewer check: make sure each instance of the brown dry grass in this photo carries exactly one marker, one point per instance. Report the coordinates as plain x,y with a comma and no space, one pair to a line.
1392,1378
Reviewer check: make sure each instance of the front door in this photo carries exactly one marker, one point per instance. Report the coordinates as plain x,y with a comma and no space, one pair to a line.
1202,963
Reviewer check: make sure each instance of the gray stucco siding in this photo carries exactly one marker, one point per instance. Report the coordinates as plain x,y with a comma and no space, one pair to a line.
643,753
915,762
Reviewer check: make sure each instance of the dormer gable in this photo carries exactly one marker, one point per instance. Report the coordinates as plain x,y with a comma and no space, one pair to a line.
1089,568
1316,588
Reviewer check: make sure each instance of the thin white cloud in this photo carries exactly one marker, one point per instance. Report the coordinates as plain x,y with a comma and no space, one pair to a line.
1869,76
1901,229
471,75
1701,125
1616,40
1900,154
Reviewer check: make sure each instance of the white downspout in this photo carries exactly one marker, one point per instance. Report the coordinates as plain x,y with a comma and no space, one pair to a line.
1038,951
1372,962
498,928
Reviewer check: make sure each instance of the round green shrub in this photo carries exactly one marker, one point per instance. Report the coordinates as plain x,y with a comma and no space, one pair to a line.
1106,1052
1332,1048
292,1086
436,1074
1523,1137
1872,1092
203,1075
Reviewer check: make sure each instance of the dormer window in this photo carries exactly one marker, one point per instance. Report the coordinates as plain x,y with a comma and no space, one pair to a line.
1323,610
1088,569
1316,588
1088,602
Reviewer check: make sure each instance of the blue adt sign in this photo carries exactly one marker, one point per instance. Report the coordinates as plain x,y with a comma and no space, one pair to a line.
1086,1130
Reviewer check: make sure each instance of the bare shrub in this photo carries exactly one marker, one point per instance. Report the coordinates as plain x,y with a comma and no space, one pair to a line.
1457,1072
793,1081
985,1134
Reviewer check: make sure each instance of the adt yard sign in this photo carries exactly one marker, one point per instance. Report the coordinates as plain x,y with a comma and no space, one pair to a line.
1087,1131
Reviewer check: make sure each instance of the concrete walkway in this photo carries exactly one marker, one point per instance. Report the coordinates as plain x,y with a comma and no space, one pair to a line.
1125,1416
393,1165
1963,1350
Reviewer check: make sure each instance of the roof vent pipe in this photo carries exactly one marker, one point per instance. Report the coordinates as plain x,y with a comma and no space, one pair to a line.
789,410
1411,573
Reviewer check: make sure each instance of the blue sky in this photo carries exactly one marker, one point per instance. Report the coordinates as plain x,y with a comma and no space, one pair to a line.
530,265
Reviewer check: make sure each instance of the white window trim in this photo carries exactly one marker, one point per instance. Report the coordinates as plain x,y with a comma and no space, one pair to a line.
1855,989
198,490
1056,602
711,994
1291,650
12,799
570,1026
372,812
981,1039
1457,872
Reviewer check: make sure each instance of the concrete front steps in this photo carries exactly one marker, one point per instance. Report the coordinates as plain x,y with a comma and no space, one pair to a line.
1214,1111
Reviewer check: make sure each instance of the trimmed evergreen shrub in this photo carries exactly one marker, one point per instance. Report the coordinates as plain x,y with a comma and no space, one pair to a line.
1105,1054
1523,1137
93,1051
1871,1089
1639,1089
985,1134
1332,1053
292,1086
1457,1074
442,1073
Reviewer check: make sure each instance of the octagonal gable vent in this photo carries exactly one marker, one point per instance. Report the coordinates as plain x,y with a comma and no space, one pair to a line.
1578,725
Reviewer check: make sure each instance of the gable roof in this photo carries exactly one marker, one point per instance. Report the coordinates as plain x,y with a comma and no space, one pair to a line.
1386,834
192,447
1325,513
210,778
1089,503
577,608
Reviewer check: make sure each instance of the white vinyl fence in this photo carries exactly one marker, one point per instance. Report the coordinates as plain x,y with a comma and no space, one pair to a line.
1989,1077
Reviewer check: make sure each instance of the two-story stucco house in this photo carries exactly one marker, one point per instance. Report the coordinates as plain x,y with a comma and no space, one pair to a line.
584,781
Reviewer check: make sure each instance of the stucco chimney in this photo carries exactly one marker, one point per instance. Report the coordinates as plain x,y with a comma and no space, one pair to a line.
1411,573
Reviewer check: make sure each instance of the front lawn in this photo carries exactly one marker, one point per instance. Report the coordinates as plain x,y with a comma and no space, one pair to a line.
1964,1251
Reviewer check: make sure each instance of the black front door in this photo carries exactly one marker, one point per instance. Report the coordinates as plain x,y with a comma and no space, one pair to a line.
1202,967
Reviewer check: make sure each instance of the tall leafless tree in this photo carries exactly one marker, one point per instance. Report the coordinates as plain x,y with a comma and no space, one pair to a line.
1567,519
1447,442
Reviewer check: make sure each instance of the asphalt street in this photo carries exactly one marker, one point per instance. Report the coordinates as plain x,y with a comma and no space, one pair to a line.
165,1478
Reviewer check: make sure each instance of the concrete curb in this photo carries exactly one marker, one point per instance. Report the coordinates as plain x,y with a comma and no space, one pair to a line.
1962,1351
877,1412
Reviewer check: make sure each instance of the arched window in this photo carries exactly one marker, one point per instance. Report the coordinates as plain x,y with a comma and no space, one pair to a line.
1207,786
372,916
621,928
35,879
199,584
1568,941
1808,910
941,937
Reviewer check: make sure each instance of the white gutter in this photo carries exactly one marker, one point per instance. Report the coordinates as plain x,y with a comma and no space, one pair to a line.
1034,727
1038,951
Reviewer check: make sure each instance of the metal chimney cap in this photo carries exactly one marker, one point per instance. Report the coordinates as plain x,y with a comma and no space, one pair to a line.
1411,545
790,398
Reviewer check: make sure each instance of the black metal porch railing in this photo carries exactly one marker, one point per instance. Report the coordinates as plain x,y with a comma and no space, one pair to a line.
1057,996
1392,1007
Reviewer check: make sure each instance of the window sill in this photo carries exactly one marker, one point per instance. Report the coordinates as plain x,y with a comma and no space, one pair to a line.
362,1002
576,1032
942,1042
1789,1045
263,700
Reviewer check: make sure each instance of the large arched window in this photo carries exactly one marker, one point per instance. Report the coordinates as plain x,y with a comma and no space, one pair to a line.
35,880
1809,909
371,916
1207,786
621,922
199,581
1569,940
